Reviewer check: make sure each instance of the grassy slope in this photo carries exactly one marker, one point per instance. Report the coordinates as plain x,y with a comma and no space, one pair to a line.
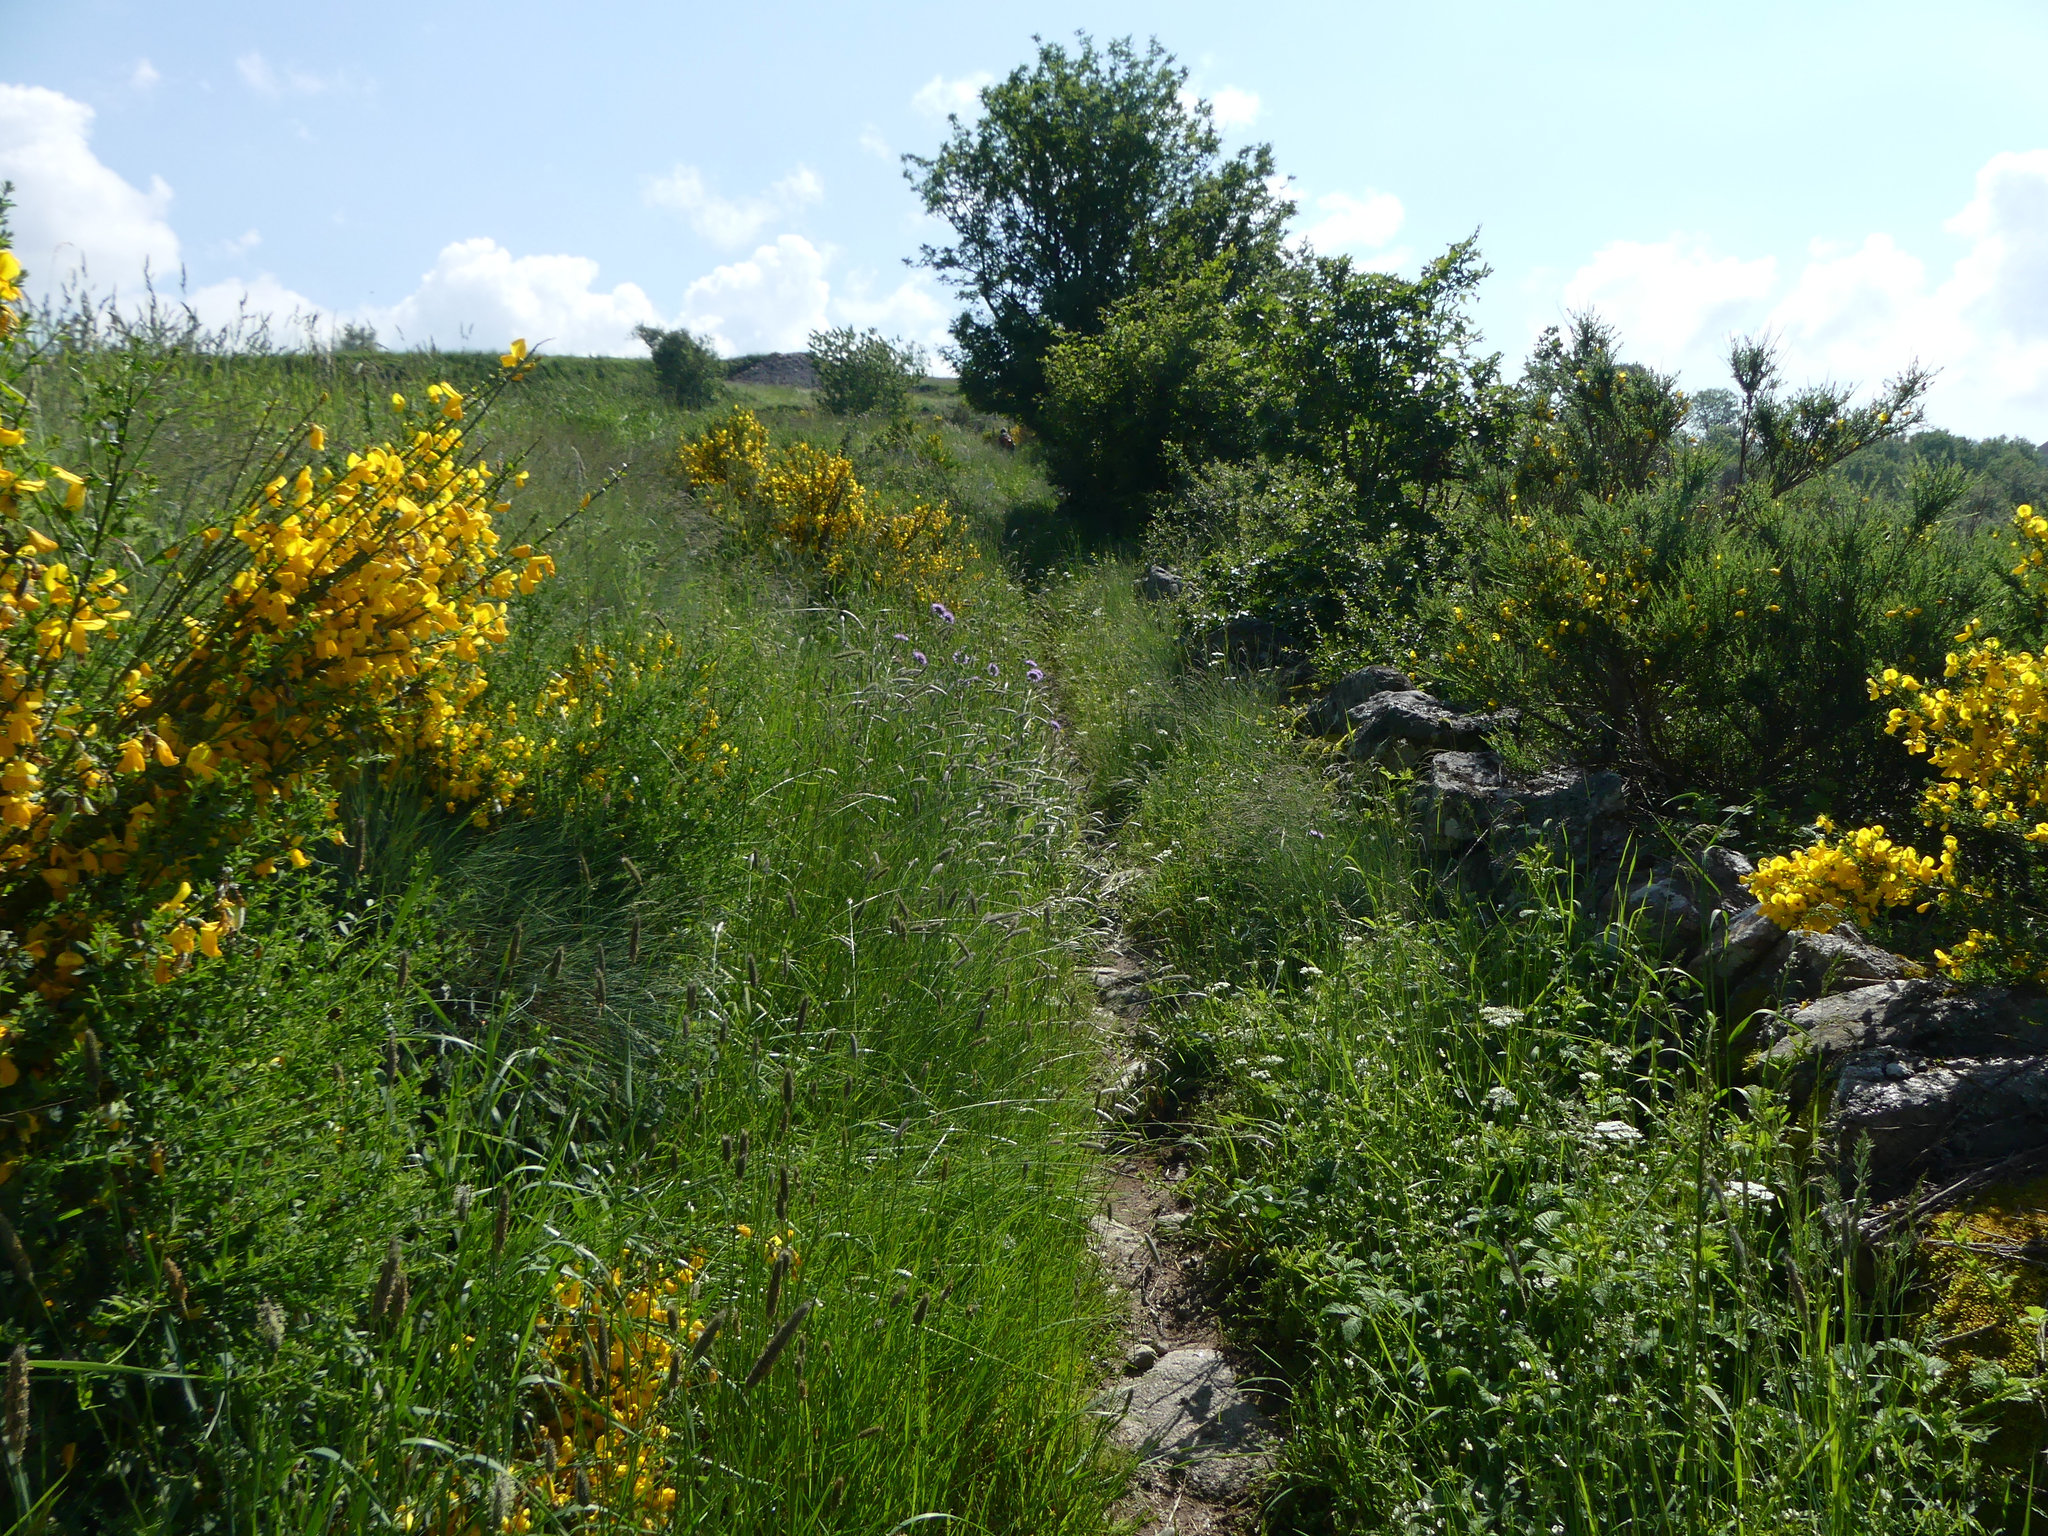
629,1018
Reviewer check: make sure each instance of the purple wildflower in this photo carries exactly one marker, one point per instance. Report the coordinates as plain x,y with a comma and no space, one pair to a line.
1058,727
904,638
919,657
943,612
1035,673
994,670
1312,832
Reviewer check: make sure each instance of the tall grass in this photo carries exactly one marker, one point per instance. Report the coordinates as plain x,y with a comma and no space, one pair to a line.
612,1058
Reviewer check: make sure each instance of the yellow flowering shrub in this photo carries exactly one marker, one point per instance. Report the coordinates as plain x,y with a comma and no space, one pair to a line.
1984,729
1853,877
181,726
808,501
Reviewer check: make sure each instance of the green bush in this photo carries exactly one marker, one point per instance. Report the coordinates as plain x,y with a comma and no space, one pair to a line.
1701,646
684,365
863,371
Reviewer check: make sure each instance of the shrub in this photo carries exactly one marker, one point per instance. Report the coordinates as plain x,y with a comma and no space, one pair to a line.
807,501
862,371
685,366
1702,647
1984,730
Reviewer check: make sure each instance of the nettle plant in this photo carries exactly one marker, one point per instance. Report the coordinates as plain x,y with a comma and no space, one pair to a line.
180,722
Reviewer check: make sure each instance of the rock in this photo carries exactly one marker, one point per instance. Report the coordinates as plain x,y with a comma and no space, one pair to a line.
1158,584
1124,1252
1725,870
1925,1018
1188,1412
1462,798
1170,1223
1330,714
1662,914
1931,1119
1141,1360
1739,949
1809,965
1399,728
795,369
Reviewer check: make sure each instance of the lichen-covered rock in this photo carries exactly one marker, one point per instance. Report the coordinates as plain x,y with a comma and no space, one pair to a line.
1922,1017
1463,799
1931,1118
1811,965
1330,715
1400,728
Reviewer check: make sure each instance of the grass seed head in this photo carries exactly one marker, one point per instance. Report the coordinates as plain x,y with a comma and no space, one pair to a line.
270,1323
465,1194
404,969
753,974
776,1272
633,943
174,1285
15,1428
782,1196
393,1291
776,1345
89,1049
555,964
504,1498
503,1224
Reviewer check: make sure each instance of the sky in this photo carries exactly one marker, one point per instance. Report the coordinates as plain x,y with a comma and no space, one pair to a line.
1866,182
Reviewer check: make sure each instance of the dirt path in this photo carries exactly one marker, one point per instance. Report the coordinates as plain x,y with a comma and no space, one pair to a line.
1203,1439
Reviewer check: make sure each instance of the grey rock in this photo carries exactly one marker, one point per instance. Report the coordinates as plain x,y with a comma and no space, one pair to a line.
1930,1119
1141,1359
1725,870
1170,1223
1188,1412
1740,948
1462,798
1158,584
1400,728
1330,714
1923,1017
1663,913
1124,1252
1809,965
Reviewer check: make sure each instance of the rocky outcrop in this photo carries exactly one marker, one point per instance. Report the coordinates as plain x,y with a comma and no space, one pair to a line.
1330,714
1462,799
1401,728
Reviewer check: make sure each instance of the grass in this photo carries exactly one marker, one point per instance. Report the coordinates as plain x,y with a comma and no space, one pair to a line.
797,1047
607,1060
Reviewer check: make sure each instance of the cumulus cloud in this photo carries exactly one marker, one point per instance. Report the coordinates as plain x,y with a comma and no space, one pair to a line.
731,221
1358,225
73,212
1229,107
1861,313
264,79
769,302
144,75
939,97
478,294
1668,298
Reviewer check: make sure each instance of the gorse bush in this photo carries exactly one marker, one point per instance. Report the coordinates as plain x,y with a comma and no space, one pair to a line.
1701,647
1983,728
807,501
863,371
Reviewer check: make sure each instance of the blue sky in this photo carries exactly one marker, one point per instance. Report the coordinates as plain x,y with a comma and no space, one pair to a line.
1870,181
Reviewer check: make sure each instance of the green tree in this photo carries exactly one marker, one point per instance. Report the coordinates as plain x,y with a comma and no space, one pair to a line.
1087,179
862,371
684,365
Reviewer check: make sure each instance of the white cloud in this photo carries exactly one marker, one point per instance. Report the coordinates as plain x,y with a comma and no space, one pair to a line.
261,77
872,141
1229,108
731,221
1860,314
478,294
1346,223
1671,298
939,97
144,75
770,302
264,301
71,210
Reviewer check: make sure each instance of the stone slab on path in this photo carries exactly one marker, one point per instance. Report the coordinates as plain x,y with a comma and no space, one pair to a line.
1187,1413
